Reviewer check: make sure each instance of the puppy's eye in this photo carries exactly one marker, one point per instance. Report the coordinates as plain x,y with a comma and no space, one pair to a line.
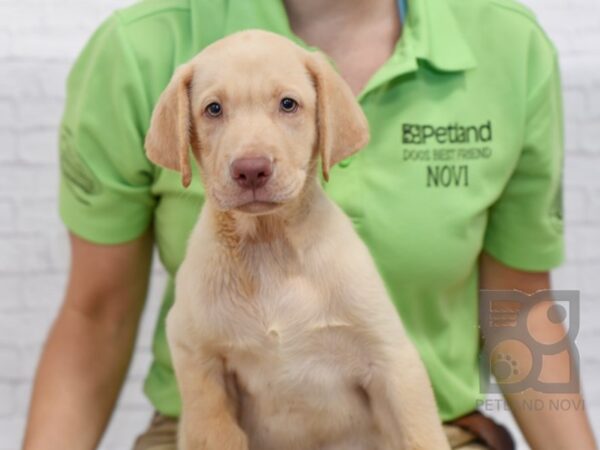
214,109
288,105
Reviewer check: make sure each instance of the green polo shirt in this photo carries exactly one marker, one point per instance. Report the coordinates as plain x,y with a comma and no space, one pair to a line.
466,155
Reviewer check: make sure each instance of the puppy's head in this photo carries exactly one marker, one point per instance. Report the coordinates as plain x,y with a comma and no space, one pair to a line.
257,111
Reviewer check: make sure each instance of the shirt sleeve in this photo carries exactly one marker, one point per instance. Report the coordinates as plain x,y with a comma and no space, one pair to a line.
105,182
525,225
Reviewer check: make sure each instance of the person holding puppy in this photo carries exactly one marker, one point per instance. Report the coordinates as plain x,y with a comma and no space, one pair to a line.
459,189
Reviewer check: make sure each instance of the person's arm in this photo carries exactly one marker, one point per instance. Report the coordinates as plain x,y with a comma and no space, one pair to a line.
546,428
89,347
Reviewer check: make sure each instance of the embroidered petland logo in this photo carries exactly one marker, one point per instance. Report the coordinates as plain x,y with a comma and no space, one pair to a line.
455,133
518,347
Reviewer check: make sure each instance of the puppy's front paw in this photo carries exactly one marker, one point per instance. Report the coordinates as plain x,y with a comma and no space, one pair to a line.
213,436
433,442
236,439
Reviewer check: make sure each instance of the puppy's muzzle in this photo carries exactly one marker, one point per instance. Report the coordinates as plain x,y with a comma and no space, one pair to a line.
251,173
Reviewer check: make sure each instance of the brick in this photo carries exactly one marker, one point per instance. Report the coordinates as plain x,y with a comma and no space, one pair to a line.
576,201
593,99
587,240
35,114
59,250
552,19
57,45
593,211
590,282
39,215
140,364
590,137
589,307
590,370
571,245
11,299
30,359
44,292
7,114
34,79
146,331
586,43
572,138
11,432
589,335
8,405
19,180
5,44
149,318
26,331
593,411
23,254
157,267
16,18
23,397
7,215
53,80
10,364
76,16
20,79
132,397
39,146
8,146
566,277
577,71
574,103
582,171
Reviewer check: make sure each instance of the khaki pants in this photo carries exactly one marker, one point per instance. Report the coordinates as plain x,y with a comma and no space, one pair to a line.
162,431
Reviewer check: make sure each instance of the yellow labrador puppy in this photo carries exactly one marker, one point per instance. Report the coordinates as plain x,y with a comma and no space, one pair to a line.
282,334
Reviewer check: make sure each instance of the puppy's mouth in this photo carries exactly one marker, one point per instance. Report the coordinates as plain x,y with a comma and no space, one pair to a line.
262,200
256,201
258,207
251,201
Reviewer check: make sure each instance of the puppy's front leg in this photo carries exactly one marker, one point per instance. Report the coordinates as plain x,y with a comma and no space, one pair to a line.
208,419
403,404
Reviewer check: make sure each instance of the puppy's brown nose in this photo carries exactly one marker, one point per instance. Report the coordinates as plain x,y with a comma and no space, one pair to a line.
251,173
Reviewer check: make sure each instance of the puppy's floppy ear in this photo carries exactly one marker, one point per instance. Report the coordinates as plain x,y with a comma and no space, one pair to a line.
342,127
168,139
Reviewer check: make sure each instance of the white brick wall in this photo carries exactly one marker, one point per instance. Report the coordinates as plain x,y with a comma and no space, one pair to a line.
39,40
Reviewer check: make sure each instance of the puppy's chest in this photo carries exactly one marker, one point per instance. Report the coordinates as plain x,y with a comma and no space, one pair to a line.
289,330
264,299
282,315
288,333
292,359
292,349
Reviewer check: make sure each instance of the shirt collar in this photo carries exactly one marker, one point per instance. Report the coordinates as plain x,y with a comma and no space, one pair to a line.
436,36
430,31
